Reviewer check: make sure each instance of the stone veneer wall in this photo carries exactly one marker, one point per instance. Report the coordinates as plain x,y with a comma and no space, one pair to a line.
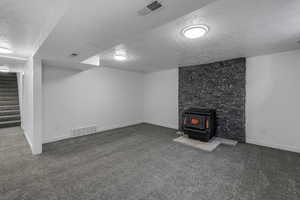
220,86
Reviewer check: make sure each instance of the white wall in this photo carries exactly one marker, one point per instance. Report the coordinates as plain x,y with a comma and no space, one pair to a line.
31,104
37,106
17,68
102,97
27,106
110,98
273,100
161,98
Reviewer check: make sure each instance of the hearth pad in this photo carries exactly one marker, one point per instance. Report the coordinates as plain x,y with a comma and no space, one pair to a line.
205,146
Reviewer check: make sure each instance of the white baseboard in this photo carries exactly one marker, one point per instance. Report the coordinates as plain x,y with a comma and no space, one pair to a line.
28,140
67,136
55,139
275,146
163,125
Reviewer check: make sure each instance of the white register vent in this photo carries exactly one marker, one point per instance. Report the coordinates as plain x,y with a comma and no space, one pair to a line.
83,131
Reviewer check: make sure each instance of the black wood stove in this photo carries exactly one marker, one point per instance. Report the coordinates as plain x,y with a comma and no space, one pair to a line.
199,124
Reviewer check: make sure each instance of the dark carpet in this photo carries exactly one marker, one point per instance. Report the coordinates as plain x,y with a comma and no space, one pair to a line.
143,163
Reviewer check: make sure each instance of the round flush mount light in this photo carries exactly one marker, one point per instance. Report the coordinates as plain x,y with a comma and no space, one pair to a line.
5,50
4,69
195,31
120,57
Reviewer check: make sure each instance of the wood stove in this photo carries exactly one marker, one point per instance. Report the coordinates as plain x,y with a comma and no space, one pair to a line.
199,124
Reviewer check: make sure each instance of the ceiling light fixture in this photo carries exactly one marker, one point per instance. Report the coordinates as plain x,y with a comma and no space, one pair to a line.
5,50
195,31
120,55
4,69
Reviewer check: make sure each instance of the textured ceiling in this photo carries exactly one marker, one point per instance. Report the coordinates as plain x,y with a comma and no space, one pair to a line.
24,24
53,29
89,28
238,28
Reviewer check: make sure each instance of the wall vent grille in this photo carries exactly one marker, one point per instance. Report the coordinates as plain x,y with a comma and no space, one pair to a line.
76,132
153,6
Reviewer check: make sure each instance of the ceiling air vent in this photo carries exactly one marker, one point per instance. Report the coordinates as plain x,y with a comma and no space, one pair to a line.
74,54
154,5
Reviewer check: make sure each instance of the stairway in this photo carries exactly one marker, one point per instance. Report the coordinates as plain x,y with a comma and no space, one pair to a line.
9,100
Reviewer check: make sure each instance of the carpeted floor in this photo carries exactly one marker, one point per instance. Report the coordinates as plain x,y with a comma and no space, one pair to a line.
142,162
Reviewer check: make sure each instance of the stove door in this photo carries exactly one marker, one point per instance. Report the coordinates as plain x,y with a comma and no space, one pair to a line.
195,121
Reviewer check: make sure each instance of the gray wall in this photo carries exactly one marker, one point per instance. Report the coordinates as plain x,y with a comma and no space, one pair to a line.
220,86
